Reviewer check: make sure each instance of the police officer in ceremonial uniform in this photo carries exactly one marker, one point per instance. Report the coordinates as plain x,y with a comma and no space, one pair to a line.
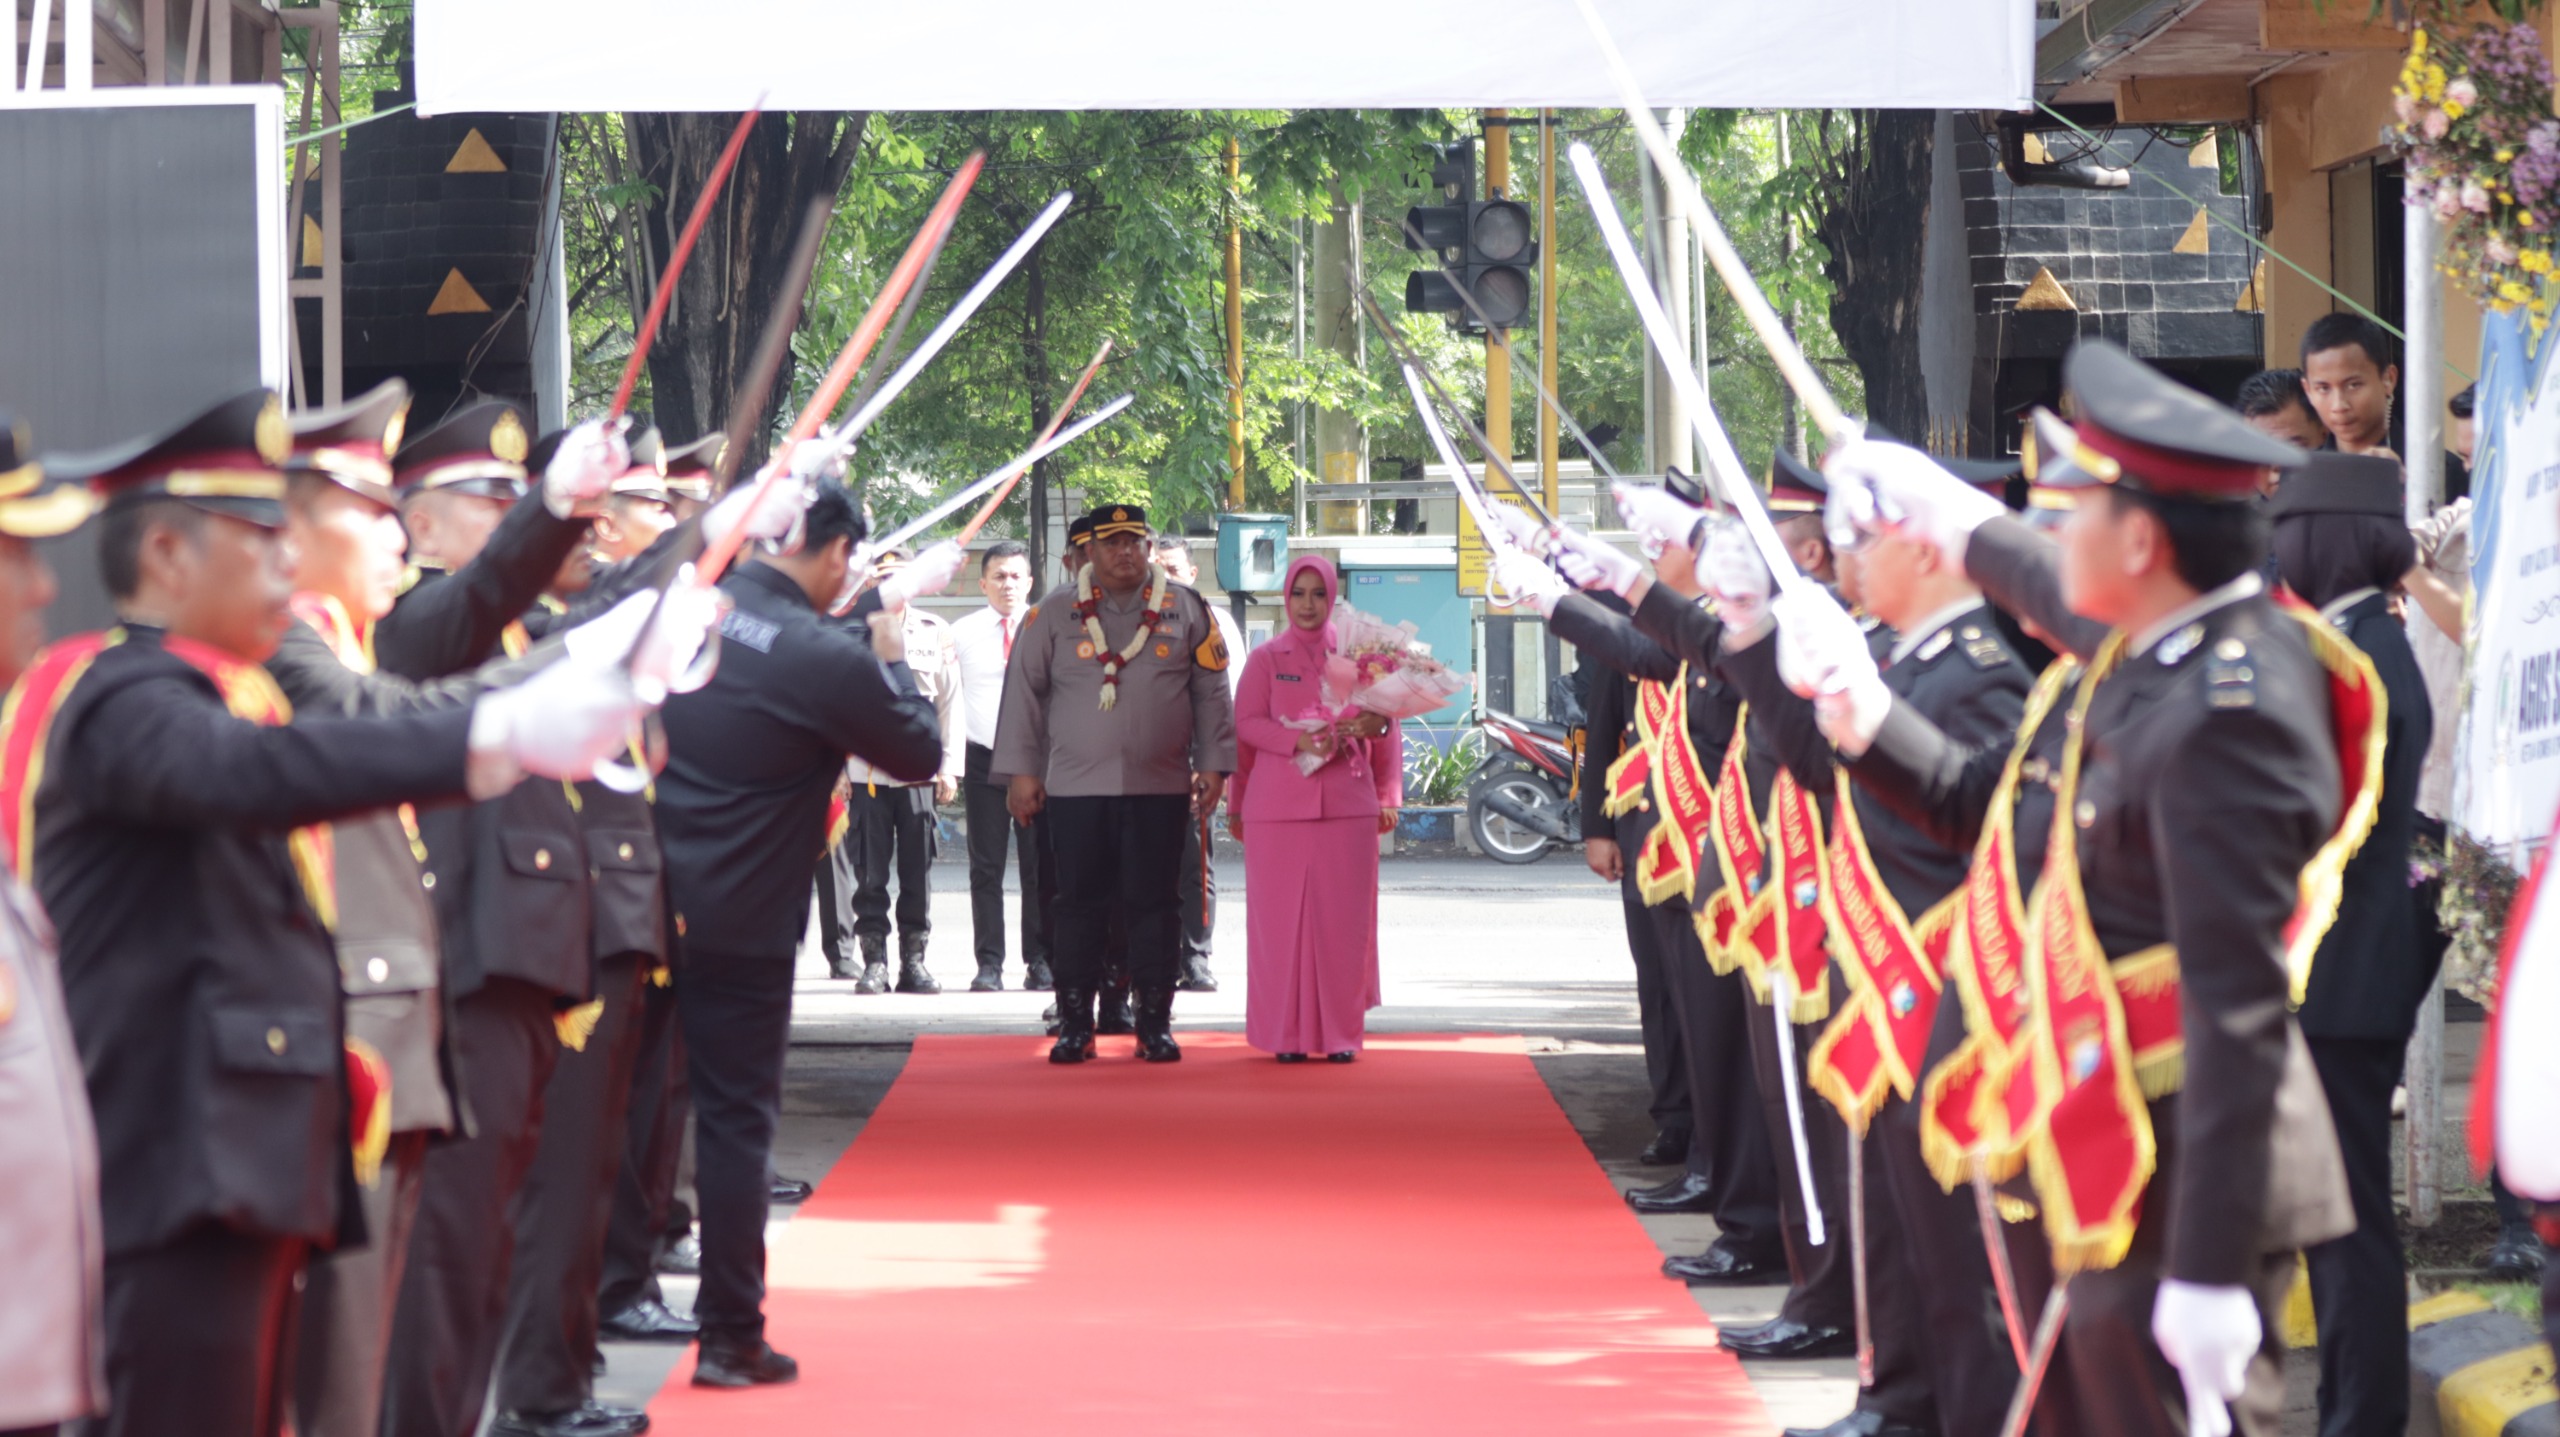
742,815
52,1362
691,471
2199,780
209,1017
1118,726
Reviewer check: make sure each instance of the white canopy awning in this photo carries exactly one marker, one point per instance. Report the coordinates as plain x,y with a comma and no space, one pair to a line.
586,55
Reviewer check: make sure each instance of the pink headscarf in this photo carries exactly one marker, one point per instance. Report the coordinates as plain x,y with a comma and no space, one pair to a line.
1320,641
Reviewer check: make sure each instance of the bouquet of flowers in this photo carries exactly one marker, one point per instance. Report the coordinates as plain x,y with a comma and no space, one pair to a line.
1381,668
2483,150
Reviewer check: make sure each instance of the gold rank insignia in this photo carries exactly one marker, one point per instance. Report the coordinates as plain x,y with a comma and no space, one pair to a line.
1212,653
1164,651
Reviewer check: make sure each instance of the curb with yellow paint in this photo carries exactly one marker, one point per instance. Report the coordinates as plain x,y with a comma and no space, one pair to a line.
2474,1371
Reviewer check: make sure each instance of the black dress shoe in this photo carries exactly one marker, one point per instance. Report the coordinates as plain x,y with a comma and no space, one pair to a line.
1667,1150
683,1257
728,1362
1863,1424
594,1419
790,1190
1784,1337
648,1320
1345,1056
1290,1057
1196,977
2517,1257
1685,1193
1036,977
990,978
839,966
1727,1266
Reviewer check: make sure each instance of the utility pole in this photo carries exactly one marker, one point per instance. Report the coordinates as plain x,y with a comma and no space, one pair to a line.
1497,360
1235,324
1548,421
1341,440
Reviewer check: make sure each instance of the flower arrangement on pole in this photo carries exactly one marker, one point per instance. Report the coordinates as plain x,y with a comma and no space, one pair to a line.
2482,149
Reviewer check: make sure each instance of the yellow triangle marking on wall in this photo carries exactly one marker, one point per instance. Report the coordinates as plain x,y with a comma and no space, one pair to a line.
2207,155
458,297
475,158
2046,292
311,246
2253,295
2197,238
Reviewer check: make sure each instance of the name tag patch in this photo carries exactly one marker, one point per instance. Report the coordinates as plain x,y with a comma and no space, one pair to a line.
740,627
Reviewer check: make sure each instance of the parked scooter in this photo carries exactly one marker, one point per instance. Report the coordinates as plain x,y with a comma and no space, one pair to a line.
1520,801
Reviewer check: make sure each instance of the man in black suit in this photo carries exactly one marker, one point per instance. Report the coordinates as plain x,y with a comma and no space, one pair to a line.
2342,545
209,1018
742,814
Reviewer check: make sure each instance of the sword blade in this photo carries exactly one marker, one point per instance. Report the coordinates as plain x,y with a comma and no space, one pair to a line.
746,407
2004,1278
648,331
979,521
1858,1256
1012,467
2022,1404
1782,989
1682,187
1405,354
1470,492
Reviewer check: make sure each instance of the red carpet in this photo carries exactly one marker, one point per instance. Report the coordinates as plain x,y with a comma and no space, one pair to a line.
1416,1243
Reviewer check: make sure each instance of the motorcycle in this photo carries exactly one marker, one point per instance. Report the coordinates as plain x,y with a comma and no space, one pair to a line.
1520,799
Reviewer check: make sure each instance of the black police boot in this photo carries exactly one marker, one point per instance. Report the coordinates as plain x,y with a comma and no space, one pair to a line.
1036,977
990,977
1155,1027
1196,977
875,966
1116,1017
912,974
1075,1026
728,1361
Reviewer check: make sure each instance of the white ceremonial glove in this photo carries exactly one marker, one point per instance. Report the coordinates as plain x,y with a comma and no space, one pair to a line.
1653,512
1596,564
1730,570
1915,493
928,573
1523,529
606,638
583,468
1823,656
560,723
2208,1334
776,519
1528,581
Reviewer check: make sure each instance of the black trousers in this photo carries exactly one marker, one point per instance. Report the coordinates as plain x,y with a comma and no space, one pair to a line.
1728,1137
1936,1243
1199,894
889,832
835,883
1819,1292
348,1304
653,1142
453,1299
547,1360
2359,1283
989,826
736,1010
201,1336
1666,1067
1119,853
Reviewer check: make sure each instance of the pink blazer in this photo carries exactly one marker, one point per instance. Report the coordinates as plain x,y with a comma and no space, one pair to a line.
1280,683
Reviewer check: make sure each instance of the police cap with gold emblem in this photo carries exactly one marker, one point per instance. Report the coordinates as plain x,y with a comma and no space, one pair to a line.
1113,519
2333,483
1795,487
1080,530
35,501
352,443
480,450
2142,430
646,479
225,460
692,468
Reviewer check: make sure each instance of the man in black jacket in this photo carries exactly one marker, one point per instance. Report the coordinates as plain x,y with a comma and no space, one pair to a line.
209,1017
742,814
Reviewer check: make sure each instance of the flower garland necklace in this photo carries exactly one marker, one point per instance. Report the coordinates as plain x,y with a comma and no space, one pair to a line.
1150,618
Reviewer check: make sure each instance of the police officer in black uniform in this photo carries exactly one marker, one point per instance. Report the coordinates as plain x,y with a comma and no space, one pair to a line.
742,812
209,1017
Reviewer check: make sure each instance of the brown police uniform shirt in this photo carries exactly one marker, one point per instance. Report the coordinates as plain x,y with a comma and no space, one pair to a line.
1175,715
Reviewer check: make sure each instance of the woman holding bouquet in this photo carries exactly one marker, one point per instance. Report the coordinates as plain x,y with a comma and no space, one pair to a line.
1314,787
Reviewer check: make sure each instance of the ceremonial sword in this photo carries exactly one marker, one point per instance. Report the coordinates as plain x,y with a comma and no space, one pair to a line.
1047,445
978,521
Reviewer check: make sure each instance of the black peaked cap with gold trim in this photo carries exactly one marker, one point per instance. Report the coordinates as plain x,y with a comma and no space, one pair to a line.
1080,530
2145,431
647,477
227,460
35,501
2333,483
693,468
1113,519
1795,487
480,450
353,443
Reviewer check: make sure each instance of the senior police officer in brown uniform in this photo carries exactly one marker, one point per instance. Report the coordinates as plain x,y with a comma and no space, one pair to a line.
1118,726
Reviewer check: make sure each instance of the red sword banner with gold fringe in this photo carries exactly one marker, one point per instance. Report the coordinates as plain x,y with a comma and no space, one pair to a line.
1733,829
1877,1041
1681,792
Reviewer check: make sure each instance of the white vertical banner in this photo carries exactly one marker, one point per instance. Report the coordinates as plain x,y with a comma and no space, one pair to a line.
2507,779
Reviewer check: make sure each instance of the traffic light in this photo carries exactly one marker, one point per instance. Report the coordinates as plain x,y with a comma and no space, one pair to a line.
1486,245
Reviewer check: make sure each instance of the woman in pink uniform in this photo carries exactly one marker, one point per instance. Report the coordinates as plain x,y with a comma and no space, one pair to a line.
1310,841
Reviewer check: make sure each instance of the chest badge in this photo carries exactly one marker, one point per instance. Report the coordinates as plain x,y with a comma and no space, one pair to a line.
1085,650
2180,644
1164,651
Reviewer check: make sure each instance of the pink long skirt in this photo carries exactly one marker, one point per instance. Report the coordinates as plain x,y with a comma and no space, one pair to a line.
1311,933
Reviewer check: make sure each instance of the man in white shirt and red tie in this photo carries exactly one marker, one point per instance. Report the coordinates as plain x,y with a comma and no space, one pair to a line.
983,641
